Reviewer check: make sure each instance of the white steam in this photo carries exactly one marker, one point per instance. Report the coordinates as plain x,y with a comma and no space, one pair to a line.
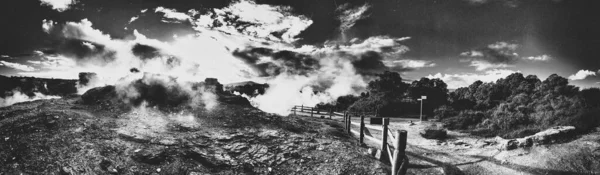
19,97
208,53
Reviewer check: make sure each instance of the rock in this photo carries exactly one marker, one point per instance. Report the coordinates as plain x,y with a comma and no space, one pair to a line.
552,135
150,156
433,134
508,144
99,94
372,151
525,142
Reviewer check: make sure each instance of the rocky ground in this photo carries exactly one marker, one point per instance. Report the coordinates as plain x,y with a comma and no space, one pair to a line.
461,153
64,136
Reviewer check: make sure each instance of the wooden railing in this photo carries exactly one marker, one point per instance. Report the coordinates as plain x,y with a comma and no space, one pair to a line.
397,158
313,111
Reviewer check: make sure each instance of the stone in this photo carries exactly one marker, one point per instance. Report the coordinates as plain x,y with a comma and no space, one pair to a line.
508,144
433,133
150,156
525,142
552,135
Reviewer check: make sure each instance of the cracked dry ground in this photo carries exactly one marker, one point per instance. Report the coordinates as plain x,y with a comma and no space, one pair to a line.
63,137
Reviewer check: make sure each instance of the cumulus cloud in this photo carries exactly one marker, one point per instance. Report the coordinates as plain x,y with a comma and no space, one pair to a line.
273,23
170,15
481,65
17,66
58,5
409,64
582,74
83,30
538,58
47,25
493,56
456,81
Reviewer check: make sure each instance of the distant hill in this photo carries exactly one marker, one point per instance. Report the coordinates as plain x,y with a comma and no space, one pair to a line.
30,85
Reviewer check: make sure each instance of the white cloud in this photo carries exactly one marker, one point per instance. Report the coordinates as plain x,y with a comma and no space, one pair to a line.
414,64
58,5
582,74
493,56
456,81
390,47
133,19
481,65
47,25
538,58
503,46
348,16
172,14
17,66
83,30
261,21
58,62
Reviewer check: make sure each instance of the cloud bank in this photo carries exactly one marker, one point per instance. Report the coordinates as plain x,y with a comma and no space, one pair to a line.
58,5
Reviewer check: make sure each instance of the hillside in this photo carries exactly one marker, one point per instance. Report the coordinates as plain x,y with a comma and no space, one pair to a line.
75,136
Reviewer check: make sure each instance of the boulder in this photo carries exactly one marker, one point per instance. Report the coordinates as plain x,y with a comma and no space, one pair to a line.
99,95
525,142
508,144
149,156
552,135
433,133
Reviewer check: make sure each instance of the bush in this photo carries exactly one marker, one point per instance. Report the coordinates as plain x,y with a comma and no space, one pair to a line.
444,112
464,120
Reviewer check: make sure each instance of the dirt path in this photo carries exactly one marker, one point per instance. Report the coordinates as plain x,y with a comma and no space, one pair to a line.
465,154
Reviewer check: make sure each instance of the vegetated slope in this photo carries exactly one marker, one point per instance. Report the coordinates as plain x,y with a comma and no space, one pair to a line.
72,136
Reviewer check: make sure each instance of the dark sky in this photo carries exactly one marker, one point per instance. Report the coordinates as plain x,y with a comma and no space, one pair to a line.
566,31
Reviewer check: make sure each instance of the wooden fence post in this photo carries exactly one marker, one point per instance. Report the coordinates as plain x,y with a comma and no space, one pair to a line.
400,145
294,110
330,113
348,123
384,136
302,108
362,129
311,112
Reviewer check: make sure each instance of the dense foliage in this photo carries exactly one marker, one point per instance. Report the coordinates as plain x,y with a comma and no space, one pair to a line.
516,105
510,107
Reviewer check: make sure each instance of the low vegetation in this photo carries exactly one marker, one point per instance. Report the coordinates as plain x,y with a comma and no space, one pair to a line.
511,107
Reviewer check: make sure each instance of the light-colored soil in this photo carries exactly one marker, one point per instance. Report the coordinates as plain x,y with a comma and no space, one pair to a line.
462,153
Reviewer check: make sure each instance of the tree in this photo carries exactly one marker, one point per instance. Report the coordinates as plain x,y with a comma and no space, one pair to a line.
435,90
388,82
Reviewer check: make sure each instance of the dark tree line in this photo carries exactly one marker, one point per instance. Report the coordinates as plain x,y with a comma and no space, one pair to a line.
513,106
517,105
389,95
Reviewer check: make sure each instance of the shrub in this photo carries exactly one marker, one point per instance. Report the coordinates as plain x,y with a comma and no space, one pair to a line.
464,120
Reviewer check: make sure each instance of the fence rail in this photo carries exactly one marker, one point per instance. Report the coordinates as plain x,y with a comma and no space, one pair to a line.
395,154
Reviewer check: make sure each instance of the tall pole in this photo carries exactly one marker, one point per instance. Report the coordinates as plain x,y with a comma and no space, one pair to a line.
421,109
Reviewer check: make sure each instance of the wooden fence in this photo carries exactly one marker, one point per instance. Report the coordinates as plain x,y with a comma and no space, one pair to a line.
313,111
397,157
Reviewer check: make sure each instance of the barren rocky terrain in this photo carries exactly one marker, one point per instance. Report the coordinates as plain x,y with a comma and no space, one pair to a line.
64,136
